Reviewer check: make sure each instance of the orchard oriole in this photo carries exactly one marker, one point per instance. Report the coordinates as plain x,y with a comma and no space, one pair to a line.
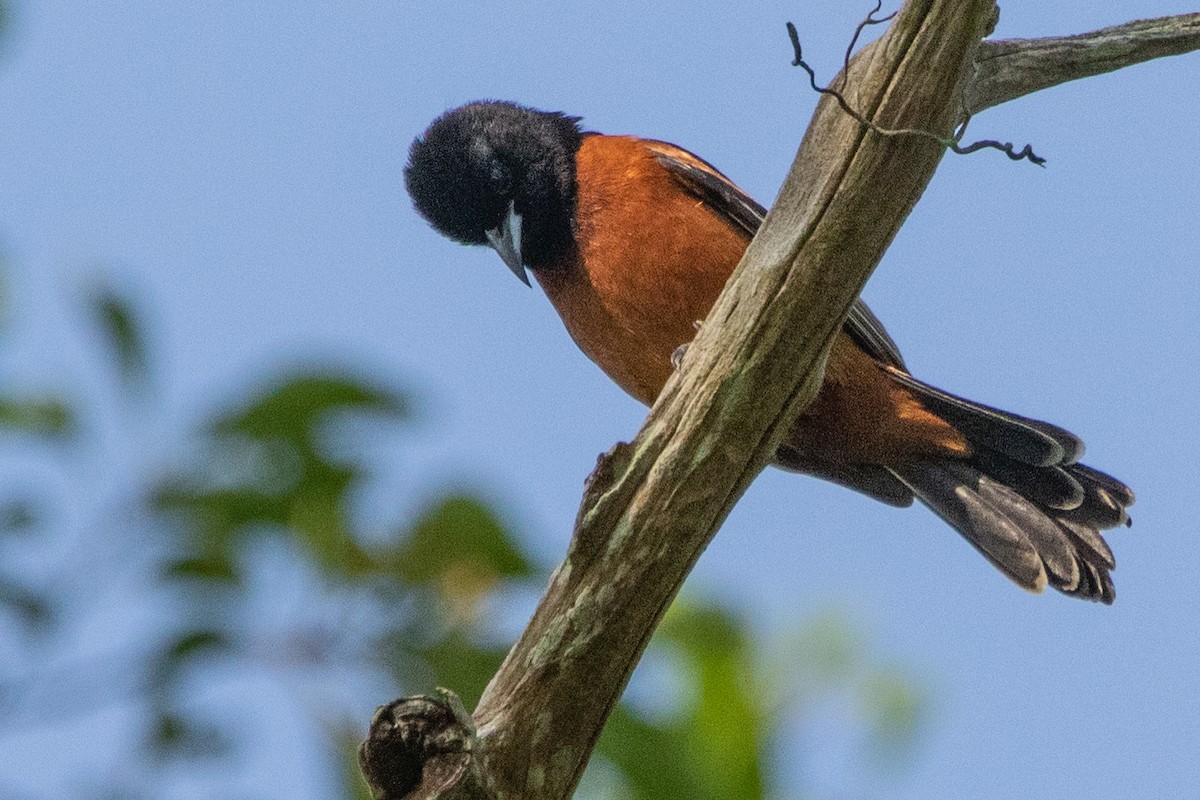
633,239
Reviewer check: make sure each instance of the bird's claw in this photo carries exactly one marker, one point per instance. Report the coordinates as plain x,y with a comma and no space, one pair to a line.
679,352
677,356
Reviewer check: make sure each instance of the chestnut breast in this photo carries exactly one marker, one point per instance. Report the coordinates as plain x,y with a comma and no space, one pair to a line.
650,263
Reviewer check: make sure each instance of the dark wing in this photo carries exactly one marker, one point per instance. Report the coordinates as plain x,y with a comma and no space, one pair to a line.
706,183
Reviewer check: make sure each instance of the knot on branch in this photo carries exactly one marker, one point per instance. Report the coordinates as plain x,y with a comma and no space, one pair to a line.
609,466
423,747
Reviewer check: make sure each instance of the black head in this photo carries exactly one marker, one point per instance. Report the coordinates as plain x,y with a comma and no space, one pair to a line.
501,174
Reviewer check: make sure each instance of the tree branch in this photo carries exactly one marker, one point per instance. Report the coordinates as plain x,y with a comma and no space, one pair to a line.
1011,68
652,506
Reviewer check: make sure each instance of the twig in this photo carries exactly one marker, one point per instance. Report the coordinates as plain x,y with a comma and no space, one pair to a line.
867,20
952,143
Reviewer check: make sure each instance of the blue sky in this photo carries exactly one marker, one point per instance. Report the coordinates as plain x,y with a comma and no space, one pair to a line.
239,166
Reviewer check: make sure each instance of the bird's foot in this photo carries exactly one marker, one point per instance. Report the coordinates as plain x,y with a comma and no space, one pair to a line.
677,356
679,352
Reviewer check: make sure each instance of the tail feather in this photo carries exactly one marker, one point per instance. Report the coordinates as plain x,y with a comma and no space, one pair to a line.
1020,498
1053,486
1116,490
870,479
1033,545
1101,508
1053,545
1028,441
1089,539
1095,584
991,532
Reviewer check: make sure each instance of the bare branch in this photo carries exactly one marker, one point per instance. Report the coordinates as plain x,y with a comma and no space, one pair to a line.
1010,68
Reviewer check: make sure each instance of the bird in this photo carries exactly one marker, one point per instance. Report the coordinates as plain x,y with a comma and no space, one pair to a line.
632,240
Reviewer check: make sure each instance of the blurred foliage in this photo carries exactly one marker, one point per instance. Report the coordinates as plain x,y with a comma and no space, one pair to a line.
36,415
115,322
264,467
249,547
712,744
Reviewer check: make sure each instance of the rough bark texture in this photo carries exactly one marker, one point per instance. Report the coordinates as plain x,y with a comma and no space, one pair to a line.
1011,68
652,506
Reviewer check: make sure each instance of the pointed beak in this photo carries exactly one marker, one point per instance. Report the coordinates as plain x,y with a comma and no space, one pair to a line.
506,240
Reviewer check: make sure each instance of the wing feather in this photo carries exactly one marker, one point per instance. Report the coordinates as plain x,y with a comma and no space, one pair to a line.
706,183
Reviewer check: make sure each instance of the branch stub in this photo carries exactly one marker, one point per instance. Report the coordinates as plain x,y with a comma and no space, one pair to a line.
423,747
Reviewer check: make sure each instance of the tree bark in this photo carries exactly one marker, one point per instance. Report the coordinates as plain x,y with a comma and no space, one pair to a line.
1010,68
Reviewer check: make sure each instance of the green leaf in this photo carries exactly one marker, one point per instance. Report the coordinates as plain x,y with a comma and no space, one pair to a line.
312,509
168,731
318,518
181,651
196,642
292,409
175,734
710,745
460,543
212,569
220,511
654,759
212,526
728,721
44,417
456,660
266,470
120,328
